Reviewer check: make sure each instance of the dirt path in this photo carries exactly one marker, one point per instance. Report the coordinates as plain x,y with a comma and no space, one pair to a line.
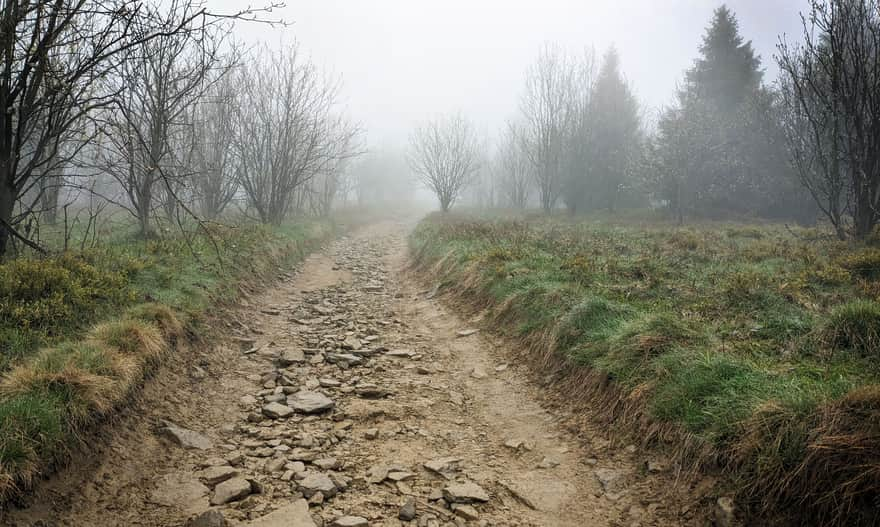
353,389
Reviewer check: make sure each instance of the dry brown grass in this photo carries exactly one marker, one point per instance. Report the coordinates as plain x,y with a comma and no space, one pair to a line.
163,317
132,337
839,477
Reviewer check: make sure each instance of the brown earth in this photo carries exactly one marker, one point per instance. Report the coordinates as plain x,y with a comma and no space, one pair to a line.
355,324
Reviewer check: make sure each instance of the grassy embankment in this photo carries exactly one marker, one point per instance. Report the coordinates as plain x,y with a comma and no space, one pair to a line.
80,331
749,345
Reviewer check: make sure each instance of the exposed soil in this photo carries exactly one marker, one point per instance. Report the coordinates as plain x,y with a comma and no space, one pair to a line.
355,325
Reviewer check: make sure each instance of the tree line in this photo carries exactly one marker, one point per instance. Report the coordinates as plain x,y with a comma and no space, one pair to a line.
151,107
730,145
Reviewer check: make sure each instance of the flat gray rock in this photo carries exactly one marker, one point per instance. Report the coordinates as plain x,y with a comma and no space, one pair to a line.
610,479
468,492
317,482
231,490
290,357
277,411
217,474
179,490
184,437
350,521
294,515
445,466
348,358
407,512
310,402
351,343
211,518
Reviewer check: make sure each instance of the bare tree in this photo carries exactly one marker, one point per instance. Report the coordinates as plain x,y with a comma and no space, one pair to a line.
215,162
288,131
54,58
146,131
831,91
512,167
444,153
557,91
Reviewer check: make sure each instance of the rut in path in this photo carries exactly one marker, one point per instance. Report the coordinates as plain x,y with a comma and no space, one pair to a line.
351,397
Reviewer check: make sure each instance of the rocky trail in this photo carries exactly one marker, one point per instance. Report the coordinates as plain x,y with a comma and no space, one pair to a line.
350,396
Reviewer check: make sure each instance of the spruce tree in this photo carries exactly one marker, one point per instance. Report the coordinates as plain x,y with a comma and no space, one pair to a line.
728,72
724,103
615,113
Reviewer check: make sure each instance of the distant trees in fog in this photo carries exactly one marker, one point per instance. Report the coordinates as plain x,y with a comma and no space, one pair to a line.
728,146
577,134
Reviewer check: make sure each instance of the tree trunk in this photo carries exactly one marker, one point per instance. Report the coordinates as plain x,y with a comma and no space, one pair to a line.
7,205
145,199
864,217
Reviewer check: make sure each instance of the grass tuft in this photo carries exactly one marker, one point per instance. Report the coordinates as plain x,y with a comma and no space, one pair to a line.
854,326
162,317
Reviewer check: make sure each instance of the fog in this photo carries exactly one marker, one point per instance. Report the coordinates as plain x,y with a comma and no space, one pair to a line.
405,61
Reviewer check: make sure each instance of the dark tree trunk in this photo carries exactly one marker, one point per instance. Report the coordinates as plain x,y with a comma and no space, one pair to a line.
7,205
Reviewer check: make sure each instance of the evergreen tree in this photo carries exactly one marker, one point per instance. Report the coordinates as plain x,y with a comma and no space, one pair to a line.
730,168
615,116
728,71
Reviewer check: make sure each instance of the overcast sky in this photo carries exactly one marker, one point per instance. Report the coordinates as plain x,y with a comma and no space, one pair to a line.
407,60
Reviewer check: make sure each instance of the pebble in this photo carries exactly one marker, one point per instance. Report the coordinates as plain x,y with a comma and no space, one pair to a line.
350,521
407,511
211,518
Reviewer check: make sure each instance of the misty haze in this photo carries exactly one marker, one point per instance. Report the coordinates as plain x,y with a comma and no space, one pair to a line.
352,263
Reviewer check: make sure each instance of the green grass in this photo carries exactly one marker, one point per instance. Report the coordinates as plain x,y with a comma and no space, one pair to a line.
80,330
715,323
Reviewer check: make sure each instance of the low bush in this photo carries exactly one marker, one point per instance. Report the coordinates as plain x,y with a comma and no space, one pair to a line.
864,263
54,294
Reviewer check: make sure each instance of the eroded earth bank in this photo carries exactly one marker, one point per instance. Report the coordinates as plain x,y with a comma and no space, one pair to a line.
349,395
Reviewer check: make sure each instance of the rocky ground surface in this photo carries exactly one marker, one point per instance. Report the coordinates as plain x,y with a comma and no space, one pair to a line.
350,396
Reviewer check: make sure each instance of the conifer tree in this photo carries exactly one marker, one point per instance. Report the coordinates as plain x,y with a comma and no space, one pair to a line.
615,116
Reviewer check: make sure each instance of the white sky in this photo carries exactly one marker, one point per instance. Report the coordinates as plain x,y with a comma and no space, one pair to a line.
406,60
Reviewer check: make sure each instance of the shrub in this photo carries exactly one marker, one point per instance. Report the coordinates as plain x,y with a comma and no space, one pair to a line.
658,333
55,294
753,233
828,274
707,392
854,326
864,263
